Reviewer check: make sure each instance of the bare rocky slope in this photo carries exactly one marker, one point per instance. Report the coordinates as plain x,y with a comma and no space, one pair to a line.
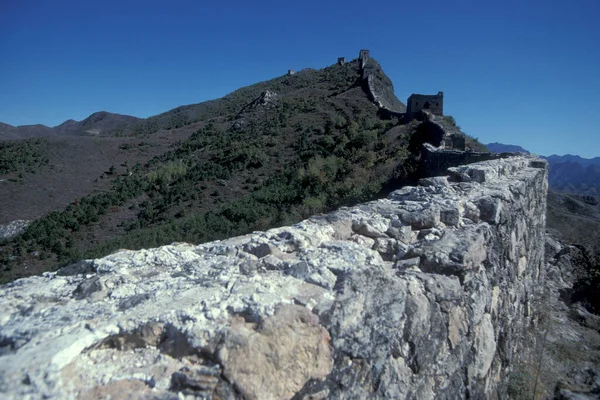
424,294
565,362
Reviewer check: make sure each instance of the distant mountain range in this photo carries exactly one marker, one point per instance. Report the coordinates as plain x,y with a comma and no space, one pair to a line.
95,124
569,158
568,173
505,148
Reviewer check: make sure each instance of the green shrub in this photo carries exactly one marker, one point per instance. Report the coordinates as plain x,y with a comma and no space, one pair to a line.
23,155
168,172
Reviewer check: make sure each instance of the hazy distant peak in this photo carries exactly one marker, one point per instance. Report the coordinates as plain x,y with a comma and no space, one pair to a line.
505,148
574,159
67,123
5,126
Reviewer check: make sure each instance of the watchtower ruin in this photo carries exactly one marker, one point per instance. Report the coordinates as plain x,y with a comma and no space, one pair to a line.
291,72
433,103
341,60
363,54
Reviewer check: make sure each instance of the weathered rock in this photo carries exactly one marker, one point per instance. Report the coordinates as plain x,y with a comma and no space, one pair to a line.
484,347
420,295
438,181
255,110
275,359
81,267
424,219
370,229
400,232
87,287
133,301
196,381
407,263
14,228
451,216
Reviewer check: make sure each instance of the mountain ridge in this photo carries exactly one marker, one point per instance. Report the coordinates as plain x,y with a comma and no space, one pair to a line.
568,173
183,115
513,148
96,123
555,158
506,148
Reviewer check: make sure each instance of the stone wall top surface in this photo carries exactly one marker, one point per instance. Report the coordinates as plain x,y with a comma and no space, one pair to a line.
365,301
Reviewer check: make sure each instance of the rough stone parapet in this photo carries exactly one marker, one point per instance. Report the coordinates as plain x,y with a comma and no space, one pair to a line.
437,160
419,295
368,75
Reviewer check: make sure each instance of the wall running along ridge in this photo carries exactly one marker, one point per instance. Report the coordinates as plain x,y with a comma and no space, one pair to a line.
386,102
435,161
419,295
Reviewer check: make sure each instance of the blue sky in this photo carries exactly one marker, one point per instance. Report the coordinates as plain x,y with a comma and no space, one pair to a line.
518,72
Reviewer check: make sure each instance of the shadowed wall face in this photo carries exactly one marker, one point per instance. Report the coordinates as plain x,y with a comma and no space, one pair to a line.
427,132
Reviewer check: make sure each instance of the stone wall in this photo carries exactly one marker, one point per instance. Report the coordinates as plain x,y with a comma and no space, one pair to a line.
420,295
435,161
432,103
379,92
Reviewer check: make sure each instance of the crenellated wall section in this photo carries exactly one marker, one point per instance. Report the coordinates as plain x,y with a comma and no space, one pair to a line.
420,295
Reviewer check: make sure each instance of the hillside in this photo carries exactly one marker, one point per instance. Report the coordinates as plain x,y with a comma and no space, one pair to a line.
575,220
41,175
572,177
265,155
9,132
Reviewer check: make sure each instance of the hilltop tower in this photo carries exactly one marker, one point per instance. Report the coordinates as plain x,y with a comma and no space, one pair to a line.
434,103
363,54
